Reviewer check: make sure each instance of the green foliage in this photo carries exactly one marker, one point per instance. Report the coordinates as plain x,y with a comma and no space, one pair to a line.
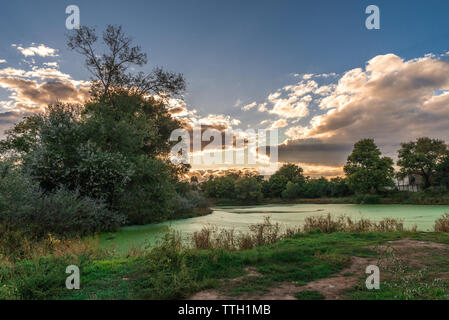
248,189
292,172
291,191
366,170
422,157
367,199
442,171
148,196
110,151
277,185
309,295
23,206
316,188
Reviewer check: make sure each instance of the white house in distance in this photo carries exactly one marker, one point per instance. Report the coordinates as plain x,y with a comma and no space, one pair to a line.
409,183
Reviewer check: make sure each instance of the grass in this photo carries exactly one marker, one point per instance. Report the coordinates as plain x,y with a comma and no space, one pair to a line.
172,271
309,295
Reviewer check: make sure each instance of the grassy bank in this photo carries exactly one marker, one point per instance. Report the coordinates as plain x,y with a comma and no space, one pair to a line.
322,250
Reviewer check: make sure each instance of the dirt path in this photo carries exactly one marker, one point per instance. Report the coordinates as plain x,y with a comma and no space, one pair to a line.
334,288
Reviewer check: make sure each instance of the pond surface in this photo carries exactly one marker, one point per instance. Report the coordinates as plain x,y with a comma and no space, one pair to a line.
240,218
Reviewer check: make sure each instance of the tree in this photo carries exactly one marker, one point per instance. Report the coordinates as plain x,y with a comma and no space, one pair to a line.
277,184
248,189
316,188
421,157
443,171
291,191
115,147
339,187
366,170
109,69
292,172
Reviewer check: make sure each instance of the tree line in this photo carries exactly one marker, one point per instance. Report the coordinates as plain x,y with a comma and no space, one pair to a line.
367,172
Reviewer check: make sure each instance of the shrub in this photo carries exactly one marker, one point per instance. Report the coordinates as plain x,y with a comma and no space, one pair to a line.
291,191
371,199
187,203
367,199
66,213
24,206
442,224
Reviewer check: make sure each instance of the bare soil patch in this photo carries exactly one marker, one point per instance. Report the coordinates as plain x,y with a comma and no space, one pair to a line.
414,253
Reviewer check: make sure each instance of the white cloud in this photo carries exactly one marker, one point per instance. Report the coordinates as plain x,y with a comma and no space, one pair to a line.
40,50
249,106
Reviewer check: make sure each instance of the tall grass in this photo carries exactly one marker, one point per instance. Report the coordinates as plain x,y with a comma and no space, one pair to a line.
442,224
209,237
329,224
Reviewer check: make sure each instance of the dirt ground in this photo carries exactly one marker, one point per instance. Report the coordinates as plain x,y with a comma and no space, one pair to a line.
414,253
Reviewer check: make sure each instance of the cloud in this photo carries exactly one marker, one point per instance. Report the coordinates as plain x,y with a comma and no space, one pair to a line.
40,50
391,100
31,90
279,124
249,106
8,119
2,61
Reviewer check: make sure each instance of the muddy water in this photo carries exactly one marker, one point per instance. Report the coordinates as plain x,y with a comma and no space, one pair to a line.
240,218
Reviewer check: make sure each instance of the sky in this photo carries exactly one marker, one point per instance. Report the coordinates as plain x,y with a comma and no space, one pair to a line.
310,69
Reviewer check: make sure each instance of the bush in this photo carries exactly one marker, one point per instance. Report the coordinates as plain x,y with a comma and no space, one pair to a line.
24,206
367,199
291,191
187,203
66,213
371,199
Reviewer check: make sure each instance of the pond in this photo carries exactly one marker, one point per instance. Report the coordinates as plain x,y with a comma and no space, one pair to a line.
240,218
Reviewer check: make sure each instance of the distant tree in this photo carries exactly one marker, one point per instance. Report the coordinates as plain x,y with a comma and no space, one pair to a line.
316,188
339,187
292,172
291,191
277,185
248,189
110,69
442,172
366,170
422,157
224,187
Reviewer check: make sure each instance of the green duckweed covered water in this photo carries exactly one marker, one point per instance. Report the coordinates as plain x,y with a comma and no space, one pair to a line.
240,218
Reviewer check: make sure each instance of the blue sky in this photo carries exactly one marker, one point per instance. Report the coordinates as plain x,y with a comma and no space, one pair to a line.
236,51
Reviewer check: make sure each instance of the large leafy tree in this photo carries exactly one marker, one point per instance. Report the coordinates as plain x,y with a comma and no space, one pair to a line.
422,157
115,147
366,170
